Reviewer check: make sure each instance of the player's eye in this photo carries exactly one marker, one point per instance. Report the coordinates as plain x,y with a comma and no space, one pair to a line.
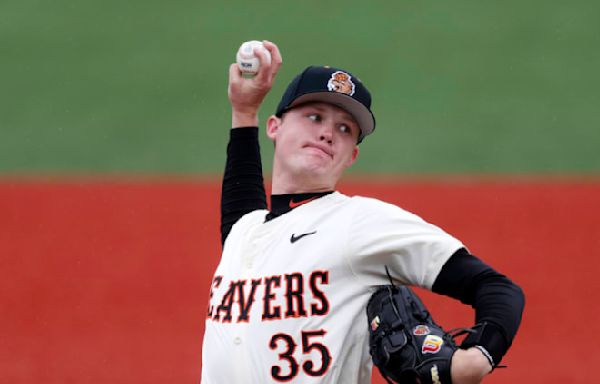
345,129
315,117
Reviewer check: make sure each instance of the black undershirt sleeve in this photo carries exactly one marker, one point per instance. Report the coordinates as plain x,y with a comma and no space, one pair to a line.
498,302
243,189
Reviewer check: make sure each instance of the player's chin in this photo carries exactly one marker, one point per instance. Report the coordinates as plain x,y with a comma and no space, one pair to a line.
328,172
316,165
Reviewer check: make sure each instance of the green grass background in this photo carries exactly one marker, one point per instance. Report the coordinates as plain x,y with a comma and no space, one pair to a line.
139,87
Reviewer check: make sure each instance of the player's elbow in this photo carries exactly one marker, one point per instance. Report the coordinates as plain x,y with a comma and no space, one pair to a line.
518,299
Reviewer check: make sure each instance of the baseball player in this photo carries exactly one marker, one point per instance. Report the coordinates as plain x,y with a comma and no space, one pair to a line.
287,301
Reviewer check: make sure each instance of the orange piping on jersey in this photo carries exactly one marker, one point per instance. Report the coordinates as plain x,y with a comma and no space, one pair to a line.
294,204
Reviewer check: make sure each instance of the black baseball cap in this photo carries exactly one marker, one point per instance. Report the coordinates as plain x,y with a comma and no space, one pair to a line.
333,86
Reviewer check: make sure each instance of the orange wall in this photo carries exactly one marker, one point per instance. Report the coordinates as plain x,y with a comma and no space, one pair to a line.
107,282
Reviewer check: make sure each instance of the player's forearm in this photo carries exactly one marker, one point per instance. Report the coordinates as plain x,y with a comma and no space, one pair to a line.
243,187
498,307
498,302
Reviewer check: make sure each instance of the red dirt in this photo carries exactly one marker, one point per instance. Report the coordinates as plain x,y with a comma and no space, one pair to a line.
107,282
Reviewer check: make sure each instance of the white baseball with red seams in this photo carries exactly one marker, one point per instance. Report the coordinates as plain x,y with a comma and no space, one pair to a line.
287,301
246,60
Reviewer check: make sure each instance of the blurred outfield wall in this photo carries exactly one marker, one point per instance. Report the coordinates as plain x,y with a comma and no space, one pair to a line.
140,86
109,282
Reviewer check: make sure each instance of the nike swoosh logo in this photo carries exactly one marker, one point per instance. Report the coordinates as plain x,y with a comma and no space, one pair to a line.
294,204
295,238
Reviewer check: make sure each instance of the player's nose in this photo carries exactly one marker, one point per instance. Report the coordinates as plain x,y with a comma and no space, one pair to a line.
326,132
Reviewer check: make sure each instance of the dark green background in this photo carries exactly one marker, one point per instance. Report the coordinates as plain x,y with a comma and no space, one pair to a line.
140,86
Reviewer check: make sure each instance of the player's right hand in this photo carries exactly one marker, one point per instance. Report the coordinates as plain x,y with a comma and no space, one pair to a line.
246,94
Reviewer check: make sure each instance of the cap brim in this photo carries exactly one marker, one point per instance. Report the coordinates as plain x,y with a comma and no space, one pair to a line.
364,117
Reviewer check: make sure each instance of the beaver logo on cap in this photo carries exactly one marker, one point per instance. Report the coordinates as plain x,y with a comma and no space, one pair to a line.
341,82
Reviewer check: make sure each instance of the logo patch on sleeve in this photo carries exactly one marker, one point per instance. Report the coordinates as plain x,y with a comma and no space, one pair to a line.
421,330
432,344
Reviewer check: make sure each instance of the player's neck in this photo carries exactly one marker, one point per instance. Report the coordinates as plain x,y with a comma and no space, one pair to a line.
288,183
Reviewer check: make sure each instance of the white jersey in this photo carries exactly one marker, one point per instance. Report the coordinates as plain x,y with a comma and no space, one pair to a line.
288,299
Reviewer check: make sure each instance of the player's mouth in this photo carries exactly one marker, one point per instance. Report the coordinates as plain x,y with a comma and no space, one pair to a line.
322,149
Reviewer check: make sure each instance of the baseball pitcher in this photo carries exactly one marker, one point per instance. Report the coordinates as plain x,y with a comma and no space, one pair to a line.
312,288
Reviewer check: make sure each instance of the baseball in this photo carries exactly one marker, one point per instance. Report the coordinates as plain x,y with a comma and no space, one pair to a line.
246,60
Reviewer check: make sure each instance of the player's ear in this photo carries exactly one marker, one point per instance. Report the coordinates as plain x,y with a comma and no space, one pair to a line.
273,124
354,155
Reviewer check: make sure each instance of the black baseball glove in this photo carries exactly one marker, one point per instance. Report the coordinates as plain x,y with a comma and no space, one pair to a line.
406,344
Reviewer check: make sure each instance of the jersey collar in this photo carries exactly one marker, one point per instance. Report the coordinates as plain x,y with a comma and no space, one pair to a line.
281,204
